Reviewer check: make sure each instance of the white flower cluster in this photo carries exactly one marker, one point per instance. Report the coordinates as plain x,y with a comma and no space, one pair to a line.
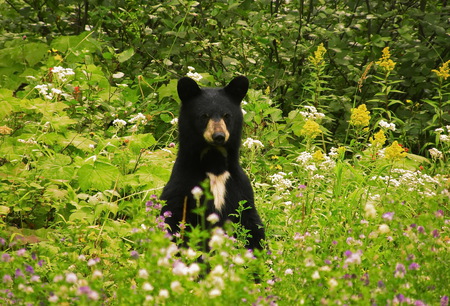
435,153
119,123
62,73
386,125
139,119
252,143
306,159
312,113
48,92
443,137
412,181
29,141
174,121
280,181
194,75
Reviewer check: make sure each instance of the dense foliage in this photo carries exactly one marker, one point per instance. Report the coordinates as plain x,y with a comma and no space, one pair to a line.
347,141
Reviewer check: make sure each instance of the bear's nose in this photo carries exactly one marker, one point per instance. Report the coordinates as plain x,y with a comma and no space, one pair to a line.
218,138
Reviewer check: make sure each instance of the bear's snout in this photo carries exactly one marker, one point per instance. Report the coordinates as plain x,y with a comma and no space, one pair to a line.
216,132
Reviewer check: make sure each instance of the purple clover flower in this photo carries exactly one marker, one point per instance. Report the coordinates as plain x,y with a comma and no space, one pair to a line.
388,216
444,301
134,254
29,269
399,271
414,266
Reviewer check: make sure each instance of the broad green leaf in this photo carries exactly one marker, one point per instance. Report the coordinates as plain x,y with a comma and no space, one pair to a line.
99,176
125,55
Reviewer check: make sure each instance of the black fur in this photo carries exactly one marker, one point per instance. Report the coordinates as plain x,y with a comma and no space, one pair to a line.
197,156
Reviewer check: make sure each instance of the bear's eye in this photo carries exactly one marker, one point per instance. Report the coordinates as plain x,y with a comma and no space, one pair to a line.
226,116
204,117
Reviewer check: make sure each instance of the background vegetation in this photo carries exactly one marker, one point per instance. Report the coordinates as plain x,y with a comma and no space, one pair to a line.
88,135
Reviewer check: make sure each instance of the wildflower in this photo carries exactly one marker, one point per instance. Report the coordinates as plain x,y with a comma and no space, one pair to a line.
370,211
97,274
288,272
318,156
164,293
399,271
174,121
218,270
142,273
332,283
388,216
197,192
385,61
378,140
71,278
444,301
147,286
238,260
4,130
317,59
193,269
118,75
384,229
252,143
435,154
312,113
215,293
62,73
134,254
444,138
7,278
176,287
179,268
53,298
386,125
310,129
360,116
213,218
194,75
395,151
414,266
139,119
119,123
353,257
444,70
315,275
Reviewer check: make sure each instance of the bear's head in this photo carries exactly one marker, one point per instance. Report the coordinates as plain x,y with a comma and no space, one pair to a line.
211,116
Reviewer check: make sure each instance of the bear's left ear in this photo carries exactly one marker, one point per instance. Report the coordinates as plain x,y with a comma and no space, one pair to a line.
237,88
187,89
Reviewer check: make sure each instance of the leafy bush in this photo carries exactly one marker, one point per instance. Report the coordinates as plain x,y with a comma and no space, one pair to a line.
346,141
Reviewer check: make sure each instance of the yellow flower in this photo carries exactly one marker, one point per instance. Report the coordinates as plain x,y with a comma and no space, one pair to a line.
317,59
310,129
360,116
385,61
444,70
379,139
318,156
395,151
4,130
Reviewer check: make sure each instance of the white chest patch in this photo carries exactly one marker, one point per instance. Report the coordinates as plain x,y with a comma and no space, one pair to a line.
218,188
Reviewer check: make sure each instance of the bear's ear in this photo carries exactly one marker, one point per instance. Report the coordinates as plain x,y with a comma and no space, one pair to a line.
187,89
238,87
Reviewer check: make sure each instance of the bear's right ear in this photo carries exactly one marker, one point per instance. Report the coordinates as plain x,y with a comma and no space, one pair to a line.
187,88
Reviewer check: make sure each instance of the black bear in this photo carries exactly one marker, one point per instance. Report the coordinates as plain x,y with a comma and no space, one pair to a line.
210,127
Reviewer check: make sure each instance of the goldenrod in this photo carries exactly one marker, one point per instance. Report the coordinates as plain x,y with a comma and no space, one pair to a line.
317,59
385,61
444,70
360,116
318,156
311,129
379,139
395,151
